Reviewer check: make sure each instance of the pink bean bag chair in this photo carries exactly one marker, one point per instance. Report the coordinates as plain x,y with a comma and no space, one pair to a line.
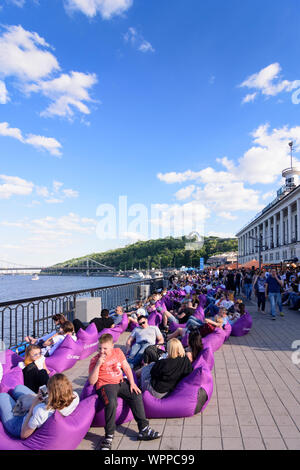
242,326
123,414
65,356
89,340
57,433
190,396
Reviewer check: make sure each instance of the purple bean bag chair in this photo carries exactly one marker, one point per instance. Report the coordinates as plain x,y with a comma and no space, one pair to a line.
242,326
123,413
214,340
117,330
160,306
65,356
185,400
9,360
89,340
155,319
173,326
11,379
227,328
205,357
202,300
57,433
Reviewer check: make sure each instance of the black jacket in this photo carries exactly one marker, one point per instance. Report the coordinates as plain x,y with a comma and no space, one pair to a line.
34,378
166,373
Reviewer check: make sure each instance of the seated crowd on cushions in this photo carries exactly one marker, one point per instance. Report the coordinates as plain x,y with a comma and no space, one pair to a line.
160,361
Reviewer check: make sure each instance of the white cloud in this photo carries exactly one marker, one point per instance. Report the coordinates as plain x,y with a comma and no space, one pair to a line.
228,196
70,193
106,8
54,201
66,92
265,160
146,47
42,191
57,185
44,143
137,40
13,185
178,219
265,82
23,55
250,97
39,142
13,132
227,215
18,3
57,195
185,193
4,98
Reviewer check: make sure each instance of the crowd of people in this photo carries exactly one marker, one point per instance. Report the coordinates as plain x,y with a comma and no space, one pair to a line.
154,358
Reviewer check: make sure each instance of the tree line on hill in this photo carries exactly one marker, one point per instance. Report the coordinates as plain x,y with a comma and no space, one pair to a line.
161,253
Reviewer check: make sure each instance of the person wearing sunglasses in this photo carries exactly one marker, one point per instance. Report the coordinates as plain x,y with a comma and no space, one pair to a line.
34,368
145,335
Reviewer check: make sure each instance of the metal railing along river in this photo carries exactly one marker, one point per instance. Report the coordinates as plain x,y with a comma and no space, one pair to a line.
33,316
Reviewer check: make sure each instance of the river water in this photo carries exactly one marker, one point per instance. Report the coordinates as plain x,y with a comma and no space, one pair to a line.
16,287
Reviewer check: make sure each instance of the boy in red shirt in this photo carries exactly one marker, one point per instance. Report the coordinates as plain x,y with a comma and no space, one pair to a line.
106,373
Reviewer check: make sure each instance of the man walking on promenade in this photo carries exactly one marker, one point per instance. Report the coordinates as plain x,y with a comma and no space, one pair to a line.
273,285
106,373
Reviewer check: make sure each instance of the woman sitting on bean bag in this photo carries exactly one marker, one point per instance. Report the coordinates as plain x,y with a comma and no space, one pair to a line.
60,397
161,377
34,368
58,319
67,328
195,345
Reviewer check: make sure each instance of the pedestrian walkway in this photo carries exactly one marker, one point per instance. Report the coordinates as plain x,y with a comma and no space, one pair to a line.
255,403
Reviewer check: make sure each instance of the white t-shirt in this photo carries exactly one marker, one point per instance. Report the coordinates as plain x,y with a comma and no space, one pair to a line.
57,340
1,371
41,414
141,311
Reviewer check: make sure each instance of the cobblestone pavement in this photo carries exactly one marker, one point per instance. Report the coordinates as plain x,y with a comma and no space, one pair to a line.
255,403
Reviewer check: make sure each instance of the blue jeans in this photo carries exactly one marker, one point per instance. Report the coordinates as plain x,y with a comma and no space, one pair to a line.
12,424
192,321
136,353
248,290
275,298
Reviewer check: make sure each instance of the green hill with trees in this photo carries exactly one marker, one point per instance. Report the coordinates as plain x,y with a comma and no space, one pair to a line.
161,253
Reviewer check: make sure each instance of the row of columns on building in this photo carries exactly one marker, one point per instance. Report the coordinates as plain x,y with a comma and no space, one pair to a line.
248,245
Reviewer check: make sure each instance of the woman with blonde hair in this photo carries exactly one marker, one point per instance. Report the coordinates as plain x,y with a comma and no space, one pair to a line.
161,377
59,396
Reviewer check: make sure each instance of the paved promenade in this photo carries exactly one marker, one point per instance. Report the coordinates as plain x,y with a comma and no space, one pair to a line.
255,403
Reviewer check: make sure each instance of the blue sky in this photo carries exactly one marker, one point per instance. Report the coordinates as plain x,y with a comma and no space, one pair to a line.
186,107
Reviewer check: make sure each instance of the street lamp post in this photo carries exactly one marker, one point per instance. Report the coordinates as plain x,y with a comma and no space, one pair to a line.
259,246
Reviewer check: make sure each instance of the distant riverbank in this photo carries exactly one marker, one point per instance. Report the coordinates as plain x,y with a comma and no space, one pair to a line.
17,287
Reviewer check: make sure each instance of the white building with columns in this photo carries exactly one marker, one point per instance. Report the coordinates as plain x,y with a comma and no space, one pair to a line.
277,226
